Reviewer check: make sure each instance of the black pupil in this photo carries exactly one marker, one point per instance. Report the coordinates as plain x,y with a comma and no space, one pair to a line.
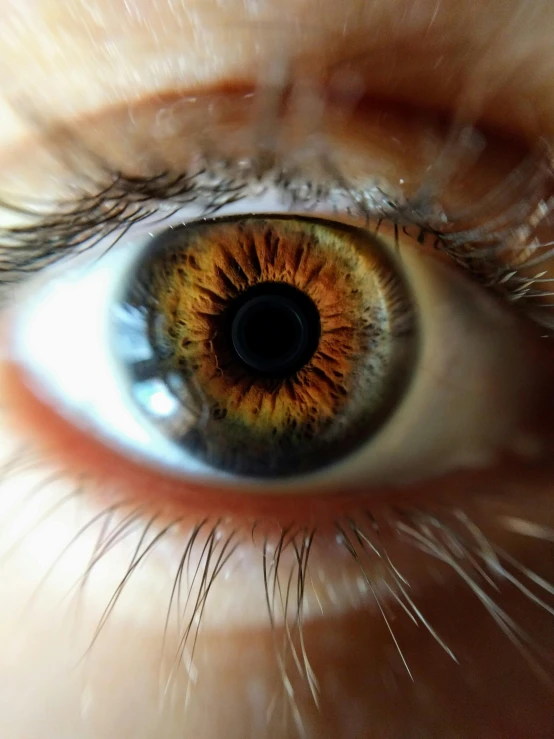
275,329
272,331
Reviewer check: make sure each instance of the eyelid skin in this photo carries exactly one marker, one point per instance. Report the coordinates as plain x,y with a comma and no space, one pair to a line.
400,142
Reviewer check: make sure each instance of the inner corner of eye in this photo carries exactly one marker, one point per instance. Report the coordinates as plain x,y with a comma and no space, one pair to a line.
276,350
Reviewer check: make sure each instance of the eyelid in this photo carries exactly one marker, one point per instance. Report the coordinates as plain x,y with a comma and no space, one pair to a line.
78,466
185,134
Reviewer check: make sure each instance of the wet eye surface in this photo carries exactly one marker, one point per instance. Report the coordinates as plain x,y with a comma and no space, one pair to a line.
262,349
282,343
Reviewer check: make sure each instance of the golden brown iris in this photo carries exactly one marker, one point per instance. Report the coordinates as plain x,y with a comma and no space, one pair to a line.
358,334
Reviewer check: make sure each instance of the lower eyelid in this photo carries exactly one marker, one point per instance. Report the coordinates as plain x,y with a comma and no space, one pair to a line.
99,490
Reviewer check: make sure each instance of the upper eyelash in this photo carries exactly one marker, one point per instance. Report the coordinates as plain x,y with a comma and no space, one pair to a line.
492,248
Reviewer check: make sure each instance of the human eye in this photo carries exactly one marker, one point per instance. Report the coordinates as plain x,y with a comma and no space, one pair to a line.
405,560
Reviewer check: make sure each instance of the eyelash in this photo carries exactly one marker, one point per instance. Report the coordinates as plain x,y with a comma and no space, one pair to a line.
492,249
117,203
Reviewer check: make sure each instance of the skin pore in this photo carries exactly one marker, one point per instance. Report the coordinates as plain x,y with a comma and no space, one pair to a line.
471,667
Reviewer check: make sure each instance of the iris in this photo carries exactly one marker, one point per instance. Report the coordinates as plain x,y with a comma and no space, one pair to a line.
282,343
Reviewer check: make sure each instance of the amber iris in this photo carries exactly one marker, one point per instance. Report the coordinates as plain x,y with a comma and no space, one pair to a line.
283,343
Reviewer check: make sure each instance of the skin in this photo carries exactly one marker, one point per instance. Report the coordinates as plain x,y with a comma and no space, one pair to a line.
90,61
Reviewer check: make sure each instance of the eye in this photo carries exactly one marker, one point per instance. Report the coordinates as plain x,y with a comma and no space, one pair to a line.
278,350
381,595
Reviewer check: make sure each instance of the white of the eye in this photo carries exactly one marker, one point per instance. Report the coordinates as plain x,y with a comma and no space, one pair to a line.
447,420
68,317
62,336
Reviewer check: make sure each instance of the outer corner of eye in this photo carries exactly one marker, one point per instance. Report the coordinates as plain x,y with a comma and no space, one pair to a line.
290,352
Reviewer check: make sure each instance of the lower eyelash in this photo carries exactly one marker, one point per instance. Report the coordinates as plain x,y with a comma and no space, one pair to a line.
442,533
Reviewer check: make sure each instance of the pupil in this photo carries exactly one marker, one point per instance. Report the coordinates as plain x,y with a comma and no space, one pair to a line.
275,329
272,331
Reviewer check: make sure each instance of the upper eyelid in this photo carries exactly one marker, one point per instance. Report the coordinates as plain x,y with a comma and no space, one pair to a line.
69,228
71,220
101,182
94,180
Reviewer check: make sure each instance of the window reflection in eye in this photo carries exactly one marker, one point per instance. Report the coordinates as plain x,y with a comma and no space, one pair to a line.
336,527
